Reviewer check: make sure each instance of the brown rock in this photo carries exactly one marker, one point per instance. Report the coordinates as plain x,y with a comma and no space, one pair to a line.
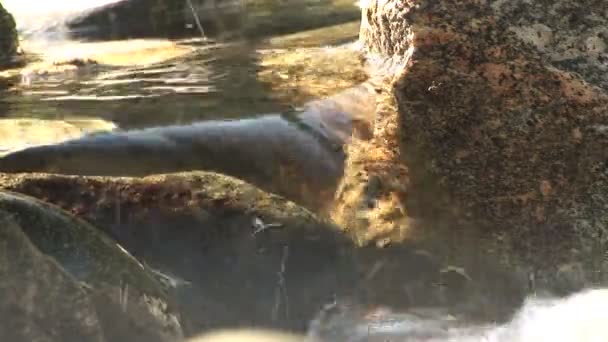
482,117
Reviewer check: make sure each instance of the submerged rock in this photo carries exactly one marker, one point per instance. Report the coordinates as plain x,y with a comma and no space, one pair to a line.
473,118
234,254
237,256
297,155
74,283
8,39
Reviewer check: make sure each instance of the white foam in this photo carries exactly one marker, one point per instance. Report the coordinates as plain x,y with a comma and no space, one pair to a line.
582,317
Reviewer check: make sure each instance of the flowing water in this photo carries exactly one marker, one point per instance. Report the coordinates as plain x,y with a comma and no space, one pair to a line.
176,76
147,82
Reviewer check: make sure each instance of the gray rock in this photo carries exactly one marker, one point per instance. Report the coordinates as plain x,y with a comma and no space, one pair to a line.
69,282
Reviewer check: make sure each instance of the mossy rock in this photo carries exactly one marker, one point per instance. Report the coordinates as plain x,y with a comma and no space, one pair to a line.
105,270
8,38
198,227
200,230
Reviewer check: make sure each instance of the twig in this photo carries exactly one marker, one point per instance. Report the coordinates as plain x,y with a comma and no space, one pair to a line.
196,19
117,206
124,294
281,288
375,269
260,226
168,280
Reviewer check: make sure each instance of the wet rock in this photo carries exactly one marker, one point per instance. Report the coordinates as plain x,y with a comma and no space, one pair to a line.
8,39
224,244
40,301
512,142
301,159
217,18
234,255
239,256
74,283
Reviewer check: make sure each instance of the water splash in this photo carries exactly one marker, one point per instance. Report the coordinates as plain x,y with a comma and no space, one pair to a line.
579,317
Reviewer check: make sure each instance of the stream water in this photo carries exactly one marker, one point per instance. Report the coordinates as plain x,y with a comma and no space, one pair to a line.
156,81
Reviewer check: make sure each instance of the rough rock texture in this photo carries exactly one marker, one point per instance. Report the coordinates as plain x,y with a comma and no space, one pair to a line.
8,38
39,301
62,280
572,35
514,143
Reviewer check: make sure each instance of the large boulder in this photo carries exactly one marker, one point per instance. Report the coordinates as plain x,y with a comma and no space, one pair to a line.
217,18
8,38
233,254
238,256
64,280
475,124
